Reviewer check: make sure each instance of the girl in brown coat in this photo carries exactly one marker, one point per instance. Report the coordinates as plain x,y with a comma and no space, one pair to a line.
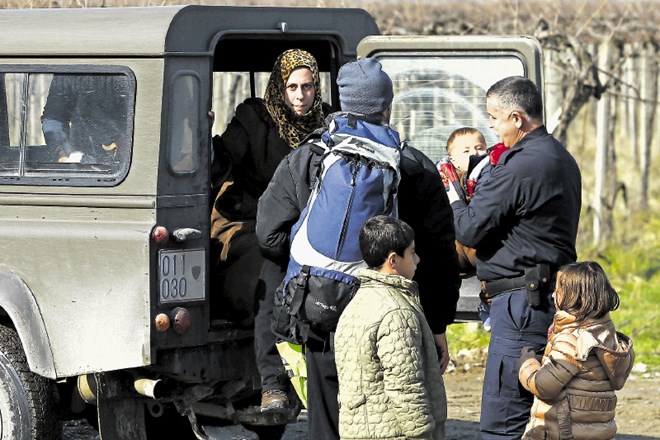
585,361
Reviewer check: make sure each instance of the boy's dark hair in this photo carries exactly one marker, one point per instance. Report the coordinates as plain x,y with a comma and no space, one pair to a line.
381,235
587,293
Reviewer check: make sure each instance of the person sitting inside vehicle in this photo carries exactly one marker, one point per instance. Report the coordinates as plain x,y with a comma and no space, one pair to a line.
85,118
260,134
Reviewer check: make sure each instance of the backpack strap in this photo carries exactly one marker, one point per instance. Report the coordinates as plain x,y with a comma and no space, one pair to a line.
318,147
299,292
352,120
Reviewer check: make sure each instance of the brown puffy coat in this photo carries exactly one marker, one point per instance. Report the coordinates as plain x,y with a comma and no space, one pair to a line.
574,384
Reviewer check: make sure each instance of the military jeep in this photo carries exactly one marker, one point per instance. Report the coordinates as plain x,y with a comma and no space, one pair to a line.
108,309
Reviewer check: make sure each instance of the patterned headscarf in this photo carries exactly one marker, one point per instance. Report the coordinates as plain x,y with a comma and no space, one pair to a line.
293,128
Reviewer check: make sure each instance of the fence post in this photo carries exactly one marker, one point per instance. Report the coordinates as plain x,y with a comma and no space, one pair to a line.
602,211
649,95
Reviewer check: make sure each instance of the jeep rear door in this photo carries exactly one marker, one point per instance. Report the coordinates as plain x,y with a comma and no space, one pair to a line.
440,84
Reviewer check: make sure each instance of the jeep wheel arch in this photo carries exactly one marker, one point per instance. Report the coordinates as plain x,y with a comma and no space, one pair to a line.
28,402
19,304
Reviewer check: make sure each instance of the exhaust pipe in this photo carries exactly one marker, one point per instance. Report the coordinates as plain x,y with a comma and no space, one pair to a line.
149,387
87,388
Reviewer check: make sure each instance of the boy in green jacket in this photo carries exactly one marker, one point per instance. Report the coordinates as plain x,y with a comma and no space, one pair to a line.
390,384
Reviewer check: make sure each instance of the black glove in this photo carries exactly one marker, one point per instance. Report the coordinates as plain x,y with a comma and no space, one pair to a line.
525,353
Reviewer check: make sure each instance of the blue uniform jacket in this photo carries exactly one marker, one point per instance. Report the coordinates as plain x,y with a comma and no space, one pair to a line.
526,213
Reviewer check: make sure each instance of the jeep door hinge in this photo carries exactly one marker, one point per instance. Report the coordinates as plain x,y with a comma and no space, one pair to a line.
186,234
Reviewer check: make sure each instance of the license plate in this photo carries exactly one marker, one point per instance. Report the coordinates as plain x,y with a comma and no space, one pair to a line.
181,276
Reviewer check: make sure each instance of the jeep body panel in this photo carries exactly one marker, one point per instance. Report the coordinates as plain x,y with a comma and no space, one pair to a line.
21,307
154,31
76,250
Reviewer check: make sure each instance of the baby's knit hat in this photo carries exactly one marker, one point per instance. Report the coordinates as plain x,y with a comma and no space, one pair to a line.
364,87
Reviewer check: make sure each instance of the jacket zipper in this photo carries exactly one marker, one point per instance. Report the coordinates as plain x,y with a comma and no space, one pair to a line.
344,226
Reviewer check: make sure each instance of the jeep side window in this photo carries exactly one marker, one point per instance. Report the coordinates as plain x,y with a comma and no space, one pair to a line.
65,128
4,120
21,127
434,95
184,121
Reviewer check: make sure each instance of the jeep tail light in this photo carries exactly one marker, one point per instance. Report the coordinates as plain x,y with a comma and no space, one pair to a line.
162,322
181,320
160,234
178,319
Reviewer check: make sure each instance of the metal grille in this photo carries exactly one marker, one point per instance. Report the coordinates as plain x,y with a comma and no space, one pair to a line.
433,96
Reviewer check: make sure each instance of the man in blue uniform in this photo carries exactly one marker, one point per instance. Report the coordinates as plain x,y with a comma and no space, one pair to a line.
523,223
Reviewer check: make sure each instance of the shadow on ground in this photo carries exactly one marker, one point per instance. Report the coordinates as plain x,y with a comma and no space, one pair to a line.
461,430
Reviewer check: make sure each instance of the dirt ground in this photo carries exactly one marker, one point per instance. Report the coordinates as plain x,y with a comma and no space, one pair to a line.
638,411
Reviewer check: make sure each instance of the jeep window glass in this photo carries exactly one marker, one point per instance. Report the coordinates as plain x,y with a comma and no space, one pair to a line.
65,128
435,95
184,124
11,116
229,90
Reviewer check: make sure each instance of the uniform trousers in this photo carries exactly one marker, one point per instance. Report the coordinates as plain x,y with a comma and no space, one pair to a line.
505,404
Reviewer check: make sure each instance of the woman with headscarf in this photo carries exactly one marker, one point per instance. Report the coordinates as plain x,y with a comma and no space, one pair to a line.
261,133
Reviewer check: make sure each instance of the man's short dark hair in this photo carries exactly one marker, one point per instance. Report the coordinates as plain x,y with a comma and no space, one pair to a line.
517,93
381,235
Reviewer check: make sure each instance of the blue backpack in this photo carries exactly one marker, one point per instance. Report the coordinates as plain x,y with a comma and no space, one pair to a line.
357,178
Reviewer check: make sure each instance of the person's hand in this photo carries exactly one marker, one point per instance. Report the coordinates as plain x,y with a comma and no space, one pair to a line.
525,353
443,350
74,157
109,147
447,173
449,179
452,194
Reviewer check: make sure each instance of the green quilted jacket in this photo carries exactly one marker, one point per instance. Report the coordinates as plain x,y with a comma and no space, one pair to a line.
390,385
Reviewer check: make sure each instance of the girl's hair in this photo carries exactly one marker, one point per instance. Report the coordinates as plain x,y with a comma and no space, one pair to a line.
585,291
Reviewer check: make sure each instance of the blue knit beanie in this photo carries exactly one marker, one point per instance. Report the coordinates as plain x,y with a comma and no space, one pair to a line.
364,87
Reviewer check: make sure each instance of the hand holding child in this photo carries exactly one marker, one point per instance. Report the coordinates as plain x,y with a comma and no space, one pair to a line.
525,353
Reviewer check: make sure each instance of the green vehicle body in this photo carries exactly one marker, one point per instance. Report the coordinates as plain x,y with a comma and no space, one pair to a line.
83,278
